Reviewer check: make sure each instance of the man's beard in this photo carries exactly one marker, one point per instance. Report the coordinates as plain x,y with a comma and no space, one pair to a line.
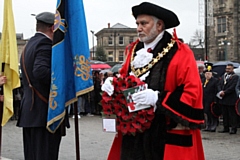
152,35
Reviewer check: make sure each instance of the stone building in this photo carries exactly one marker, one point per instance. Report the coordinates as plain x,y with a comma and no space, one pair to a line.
20,43
114,40
223,36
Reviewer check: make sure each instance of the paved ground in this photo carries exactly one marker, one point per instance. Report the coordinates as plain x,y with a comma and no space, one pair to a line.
95,144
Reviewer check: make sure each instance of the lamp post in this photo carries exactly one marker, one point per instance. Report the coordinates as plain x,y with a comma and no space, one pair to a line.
93,44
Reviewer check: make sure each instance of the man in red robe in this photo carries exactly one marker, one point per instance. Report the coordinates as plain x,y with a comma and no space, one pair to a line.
174,88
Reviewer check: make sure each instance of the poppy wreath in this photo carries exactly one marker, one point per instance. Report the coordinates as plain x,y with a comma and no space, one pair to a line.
126,122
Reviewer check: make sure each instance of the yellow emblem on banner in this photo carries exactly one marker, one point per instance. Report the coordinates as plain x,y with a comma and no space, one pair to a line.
52,103
82,67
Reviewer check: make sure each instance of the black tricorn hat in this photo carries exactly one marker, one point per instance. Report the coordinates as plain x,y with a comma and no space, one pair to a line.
208,66
169,18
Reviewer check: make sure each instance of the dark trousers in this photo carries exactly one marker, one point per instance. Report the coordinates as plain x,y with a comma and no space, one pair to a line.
212,121
40,144
230,117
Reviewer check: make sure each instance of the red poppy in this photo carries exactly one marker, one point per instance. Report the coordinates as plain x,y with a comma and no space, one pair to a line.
126,115
106,97
147,124
150,111
132,130
122,84
124,127
142,112
127,122
118,111
141,118
107,109
120,98
149,117
137,125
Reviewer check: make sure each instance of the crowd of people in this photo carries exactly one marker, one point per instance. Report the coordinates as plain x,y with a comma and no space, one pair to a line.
89,103
220,94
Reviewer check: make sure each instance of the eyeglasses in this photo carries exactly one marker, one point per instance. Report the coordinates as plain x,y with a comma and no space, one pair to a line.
228,68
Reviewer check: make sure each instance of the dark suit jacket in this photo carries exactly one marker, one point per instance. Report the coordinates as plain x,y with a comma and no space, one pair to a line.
209,93
230,96
38,66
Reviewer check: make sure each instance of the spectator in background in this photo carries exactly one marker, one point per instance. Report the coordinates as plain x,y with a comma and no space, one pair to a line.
88,108
227,99
97,89
17,97
105,75
209,84
109,74
200,71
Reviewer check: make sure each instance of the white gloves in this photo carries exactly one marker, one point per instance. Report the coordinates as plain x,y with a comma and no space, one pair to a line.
146,97
108,86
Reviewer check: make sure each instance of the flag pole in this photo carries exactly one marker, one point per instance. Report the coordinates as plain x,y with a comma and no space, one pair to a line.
1,113
76,131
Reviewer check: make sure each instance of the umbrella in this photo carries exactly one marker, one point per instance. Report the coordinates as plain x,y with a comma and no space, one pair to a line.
96,62
237,71
100,66
200,63
104,71
116,67
220,66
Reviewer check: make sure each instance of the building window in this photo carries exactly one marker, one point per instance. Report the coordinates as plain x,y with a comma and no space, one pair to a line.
121,40
110,59
221,24
110,41
130,39
221,55
120,56
110,56
221,1
110,53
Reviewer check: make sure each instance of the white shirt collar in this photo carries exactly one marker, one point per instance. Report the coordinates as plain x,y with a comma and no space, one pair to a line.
44,34
153,44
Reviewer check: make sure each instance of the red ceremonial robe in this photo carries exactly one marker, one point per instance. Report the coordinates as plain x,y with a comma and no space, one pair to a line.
183,99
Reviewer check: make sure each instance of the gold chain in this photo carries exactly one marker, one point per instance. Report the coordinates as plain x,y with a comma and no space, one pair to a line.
143,70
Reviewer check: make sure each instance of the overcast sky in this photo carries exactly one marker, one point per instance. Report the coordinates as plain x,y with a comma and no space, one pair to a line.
101,12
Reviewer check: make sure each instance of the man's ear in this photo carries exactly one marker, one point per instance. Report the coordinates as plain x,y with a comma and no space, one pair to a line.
52,27
160,25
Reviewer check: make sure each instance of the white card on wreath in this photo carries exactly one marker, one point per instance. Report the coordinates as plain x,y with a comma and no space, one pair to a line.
132,107
109,125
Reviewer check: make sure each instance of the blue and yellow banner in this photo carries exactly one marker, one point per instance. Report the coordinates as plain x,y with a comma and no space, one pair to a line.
71,70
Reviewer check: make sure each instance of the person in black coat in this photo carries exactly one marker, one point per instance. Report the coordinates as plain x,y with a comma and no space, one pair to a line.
38,142
209,84
227,98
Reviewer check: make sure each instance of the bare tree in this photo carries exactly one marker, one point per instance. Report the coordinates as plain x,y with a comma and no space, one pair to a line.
197,39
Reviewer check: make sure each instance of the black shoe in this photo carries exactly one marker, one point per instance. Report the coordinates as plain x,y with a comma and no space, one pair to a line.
206,130
233,131
213,130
